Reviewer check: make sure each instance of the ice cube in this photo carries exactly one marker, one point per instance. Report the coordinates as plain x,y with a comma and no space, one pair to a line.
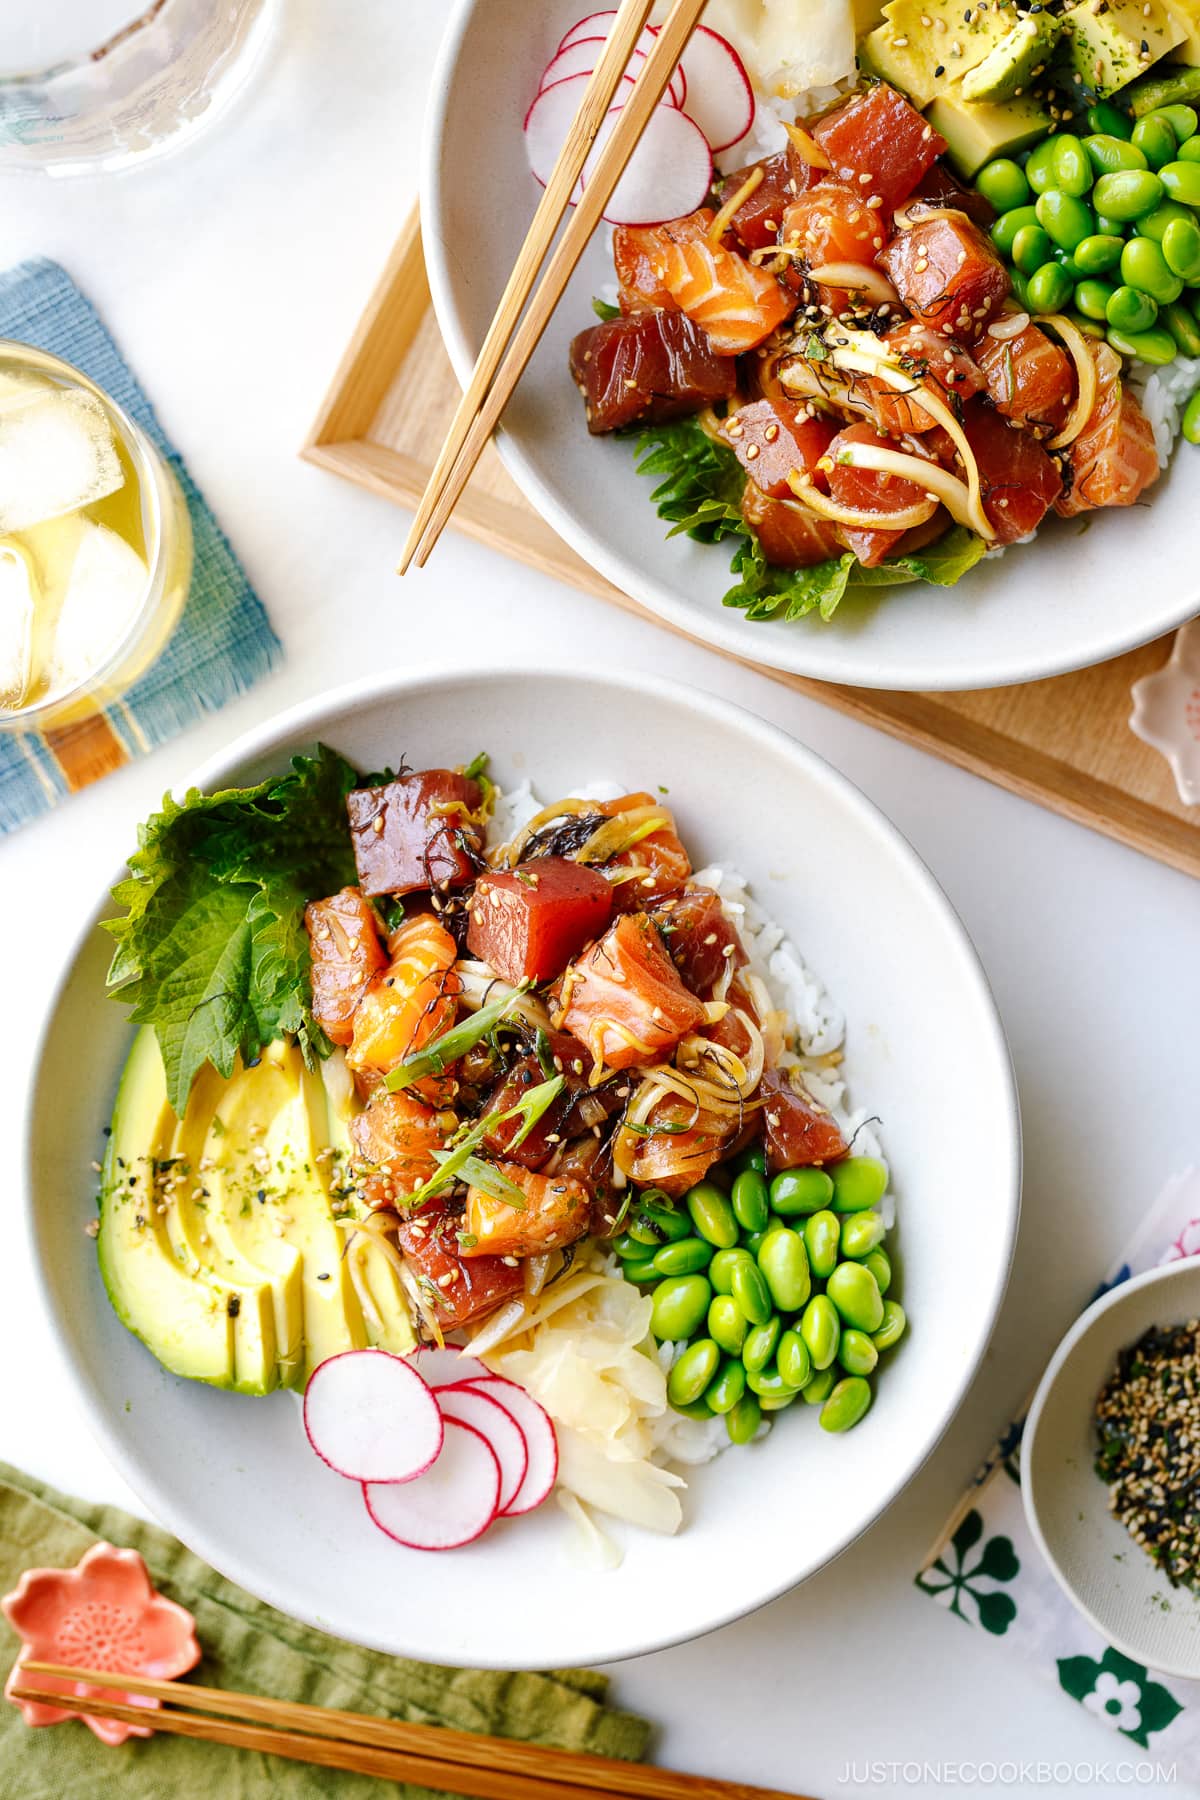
18,597
56,455
105,589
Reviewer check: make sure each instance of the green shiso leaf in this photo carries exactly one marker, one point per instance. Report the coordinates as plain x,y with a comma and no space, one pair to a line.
211,945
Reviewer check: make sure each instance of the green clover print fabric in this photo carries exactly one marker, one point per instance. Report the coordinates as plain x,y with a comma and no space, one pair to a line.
987,1571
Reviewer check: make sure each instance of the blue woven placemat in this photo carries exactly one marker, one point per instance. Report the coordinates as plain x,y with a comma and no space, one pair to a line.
223,643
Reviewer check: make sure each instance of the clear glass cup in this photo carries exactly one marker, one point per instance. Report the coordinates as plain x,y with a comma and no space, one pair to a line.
95,544
89,85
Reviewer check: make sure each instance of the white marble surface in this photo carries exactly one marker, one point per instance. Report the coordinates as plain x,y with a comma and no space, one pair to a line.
232,277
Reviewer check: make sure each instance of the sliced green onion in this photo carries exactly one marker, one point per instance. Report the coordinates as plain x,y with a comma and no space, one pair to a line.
487,1178
530,1108
477,766
449,1045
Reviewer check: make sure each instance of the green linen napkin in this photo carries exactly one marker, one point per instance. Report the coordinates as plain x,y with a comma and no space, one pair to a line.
248,1645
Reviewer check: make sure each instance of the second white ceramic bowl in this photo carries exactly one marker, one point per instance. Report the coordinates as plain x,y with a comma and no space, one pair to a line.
1075,597
234,1477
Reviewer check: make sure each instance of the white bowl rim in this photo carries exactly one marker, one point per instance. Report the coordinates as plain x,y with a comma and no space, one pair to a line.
816,655
291,729
1160,1276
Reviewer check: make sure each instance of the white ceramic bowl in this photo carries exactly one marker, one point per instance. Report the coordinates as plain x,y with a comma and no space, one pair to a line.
1070,600
234,1477
1092,1557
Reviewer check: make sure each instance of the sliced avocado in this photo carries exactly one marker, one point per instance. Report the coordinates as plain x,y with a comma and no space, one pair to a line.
925,47
1108,49
185,1320
1166,87
867,15
1187,51
1013,65
976,131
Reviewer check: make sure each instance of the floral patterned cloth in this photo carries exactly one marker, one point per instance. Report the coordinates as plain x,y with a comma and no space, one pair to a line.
985,1567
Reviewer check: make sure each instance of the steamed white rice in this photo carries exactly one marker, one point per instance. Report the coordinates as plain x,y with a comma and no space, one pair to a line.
816,1030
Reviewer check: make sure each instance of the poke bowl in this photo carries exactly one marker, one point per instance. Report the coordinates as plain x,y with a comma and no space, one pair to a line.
741,1077
818,227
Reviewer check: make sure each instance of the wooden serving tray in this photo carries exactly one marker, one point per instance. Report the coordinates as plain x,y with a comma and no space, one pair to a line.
1065,743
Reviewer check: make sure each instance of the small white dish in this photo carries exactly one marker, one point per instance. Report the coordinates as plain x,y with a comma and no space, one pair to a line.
1105,1575
1087,590
234,1477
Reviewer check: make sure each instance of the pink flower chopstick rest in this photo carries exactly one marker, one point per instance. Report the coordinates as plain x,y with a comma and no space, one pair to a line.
102,1614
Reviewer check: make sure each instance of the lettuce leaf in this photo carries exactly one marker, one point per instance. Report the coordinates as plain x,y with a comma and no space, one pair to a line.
700,495
211,948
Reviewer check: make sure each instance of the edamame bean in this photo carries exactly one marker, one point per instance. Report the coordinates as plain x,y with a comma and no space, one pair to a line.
754,1240
1072,167
640,1269
893,1328
793,1360
1097,253
1143,266
1089,327
1181,248
1008,224
1128,310
654,1224
773,1403
686,1257
1108,227
784,1263
857,1352
1003,182
1157,347
751,1200
1129,194
1181,323
858,1182
1107,119
1068,265
880,1265
1156,223
1020,289
700,1409
855,1293
1155,138
678,1306
768,1384
727,1324
822,1240
743,1421
754,1159
1048,288
751,1292
1039,168
800,1191
1092,298
727,1388
1181,182
820,1387
1107,153
1191,419
760,1344
625,1245
1190,152
861,1233
692,1371
1032,247
712,1215
821,1329
720,1269
846,1404
1183,120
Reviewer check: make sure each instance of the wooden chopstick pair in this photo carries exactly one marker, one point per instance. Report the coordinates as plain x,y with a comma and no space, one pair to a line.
496,374
485,1768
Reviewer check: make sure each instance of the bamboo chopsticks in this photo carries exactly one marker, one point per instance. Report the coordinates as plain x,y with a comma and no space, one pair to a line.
485,1768
496,375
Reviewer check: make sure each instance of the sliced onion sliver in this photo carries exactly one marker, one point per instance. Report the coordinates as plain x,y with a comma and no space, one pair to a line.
857,517
857,278
1085,375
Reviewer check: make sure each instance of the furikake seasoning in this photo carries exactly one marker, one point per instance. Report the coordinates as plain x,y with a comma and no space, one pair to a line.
1148,1420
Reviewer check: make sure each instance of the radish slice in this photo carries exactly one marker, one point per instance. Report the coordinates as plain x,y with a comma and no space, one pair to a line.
593,31
473,1406
370,1416
596,24
540,1441
442,1367
547,123
581,58
668,175
451,1504
720,95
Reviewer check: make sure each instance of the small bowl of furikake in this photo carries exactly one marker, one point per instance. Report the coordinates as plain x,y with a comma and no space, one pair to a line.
1110,1467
